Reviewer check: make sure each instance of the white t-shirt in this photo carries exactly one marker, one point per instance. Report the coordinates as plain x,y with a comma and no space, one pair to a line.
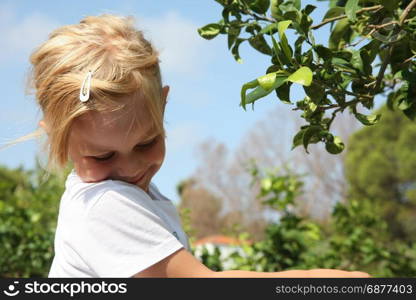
113,229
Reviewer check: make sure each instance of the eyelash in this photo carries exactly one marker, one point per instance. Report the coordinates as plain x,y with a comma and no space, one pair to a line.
103,158
108,157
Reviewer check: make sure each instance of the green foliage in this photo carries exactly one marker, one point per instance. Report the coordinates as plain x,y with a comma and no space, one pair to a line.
28,211
381,166
277,192
184,214
355,239
284,247
370,51
212,260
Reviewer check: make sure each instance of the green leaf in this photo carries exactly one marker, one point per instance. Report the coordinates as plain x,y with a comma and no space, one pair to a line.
260,6
235,52
357,61
209,31
315,91
260,92
372,49
336,146
266,183
263,86
222,2
343,64
334,12
346,80
310,132
253,28
298,47
226,14
338,33
280,57
270,29
275,10
302,76
312,106
323,52
293,15
298,139
367,120
256,94
284,45
287,50
366,60
249,85
233,33
351,10
259,43
267,81
305,24
276,47
282,26
283,92
309,9
290,5
307,57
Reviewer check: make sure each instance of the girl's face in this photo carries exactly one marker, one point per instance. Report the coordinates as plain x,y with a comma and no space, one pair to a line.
106,146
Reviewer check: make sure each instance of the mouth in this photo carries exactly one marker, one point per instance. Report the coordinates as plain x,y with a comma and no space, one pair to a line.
137,179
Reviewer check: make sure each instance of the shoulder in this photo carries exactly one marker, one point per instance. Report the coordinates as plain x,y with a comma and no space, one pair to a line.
109,190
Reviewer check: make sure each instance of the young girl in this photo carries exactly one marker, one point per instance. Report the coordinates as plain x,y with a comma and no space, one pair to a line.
99,87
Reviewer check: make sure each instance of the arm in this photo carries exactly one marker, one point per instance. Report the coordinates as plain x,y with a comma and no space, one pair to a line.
313,273
183,264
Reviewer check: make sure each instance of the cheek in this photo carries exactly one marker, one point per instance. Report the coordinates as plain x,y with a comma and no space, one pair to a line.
158,153
87,169
153,157
90,171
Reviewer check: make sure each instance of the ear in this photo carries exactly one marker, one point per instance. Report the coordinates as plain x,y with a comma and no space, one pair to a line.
43,125
165,92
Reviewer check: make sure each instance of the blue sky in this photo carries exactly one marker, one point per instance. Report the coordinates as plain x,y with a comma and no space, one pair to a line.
204,79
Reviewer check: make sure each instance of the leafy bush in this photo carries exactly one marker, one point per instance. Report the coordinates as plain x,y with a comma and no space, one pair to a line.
28,211
356,238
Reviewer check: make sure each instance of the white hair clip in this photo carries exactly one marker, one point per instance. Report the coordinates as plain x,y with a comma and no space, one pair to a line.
84,94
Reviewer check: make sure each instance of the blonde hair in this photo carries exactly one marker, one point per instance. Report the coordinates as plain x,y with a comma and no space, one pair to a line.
123,62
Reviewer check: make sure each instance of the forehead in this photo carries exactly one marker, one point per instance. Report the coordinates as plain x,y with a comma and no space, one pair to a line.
102,129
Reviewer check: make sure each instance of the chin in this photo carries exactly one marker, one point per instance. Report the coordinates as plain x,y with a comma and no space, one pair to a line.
94,178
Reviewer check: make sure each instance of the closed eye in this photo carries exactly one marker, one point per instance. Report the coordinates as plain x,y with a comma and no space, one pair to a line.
103,158
148,144
111,154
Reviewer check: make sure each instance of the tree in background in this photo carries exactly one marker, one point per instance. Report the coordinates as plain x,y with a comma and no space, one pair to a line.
381,166
222,177
204,209
356,238
29,202
370,51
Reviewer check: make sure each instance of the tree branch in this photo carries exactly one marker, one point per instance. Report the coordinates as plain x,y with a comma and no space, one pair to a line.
326,21
383,25
406,12
383,67
258,17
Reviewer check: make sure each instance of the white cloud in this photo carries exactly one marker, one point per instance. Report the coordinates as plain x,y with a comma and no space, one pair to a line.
22,35
181,49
